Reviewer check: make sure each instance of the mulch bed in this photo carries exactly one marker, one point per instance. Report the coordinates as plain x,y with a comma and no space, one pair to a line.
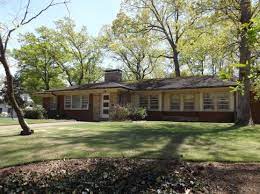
129,176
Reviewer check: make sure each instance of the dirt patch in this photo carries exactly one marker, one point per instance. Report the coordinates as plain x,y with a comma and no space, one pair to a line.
231,178
130,176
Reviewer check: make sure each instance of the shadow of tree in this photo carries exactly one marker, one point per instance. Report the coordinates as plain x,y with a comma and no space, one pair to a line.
160,140
142,138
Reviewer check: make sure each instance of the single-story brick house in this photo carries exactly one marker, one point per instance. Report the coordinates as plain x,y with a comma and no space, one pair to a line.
204,98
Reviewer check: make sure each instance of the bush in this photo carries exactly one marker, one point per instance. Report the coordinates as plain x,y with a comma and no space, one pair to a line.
119,113
137,113
36,112
130,112
4,115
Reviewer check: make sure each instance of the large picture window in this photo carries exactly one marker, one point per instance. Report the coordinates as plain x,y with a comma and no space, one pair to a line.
76,102
149,102
188,102
175,102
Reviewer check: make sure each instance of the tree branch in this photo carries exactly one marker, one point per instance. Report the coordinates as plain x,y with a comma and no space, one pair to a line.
25,21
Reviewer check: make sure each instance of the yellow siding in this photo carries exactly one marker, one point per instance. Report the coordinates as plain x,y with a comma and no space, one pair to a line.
96,106
165,97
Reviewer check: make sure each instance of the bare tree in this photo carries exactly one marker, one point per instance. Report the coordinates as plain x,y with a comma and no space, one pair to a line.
5,35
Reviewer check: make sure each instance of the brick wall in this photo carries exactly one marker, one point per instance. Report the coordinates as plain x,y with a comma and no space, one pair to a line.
225,117
80,115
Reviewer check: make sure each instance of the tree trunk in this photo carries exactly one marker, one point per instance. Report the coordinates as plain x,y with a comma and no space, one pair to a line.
176,63
10,92
244,116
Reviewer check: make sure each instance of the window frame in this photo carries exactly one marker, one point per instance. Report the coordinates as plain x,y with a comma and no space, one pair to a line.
214,102
194,103
81,96
158,102
53,103
217,101
149,96
180,99
144,96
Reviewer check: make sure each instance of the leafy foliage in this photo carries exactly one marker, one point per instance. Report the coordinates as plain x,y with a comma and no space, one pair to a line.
36,112
129,112
18,91
136,50
119,113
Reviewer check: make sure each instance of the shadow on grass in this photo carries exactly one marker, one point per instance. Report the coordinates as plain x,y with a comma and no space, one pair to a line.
122,138
159,140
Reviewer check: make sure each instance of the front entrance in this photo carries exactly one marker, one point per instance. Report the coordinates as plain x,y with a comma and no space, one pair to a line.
105,106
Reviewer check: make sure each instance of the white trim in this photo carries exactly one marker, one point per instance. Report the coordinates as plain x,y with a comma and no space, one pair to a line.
215,95
105,116
65,108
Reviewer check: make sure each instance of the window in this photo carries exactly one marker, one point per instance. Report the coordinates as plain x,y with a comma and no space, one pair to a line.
143,101
175,102
208,101
222,101
84,102
67,102
106,97
53,103
76,102
154,102
149,102
188,102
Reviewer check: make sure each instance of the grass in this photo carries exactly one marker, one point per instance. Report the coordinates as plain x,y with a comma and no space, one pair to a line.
192,141
10,121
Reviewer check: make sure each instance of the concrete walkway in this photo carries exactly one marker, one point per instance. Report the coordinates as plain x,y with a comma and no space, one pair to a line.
42,125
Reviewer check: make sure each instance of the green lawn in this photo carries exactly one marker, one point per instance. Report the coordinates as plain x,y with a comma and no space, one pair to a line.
194,141
9,121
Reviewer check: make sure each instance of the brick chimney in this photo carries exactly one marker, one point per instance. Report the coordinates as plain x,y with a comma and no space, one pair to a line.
113,75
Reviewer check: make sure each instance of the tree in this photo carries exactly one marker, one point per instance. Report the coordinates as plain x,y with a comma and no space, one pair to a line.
78,54
171,20
136,50
36,65
5,35
242,13
210,49
18,91
244,116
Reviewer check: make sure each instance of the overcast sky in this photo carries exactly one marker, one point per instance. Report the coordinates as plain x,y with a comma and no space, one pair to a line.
91,13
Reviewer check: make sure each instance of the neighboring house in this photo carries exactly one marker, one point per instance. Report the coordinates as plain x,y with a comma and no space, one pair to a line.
204,98
7,110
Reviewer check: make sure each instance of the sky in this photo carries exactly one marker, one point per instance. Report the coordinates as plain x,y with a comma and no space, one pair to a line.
90,13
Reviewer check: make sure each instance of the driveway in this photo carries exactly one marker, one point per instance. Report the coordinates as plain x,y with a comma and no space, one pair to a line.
42,125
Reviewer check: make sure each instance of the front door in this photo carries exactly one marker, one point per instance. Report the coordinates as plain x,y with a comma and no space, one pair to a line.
105,106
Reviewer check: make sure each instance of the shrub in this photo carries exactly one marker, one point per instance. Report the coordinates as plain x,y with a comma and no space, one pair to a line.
4,114
129,112
137,113
36,112
119,113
